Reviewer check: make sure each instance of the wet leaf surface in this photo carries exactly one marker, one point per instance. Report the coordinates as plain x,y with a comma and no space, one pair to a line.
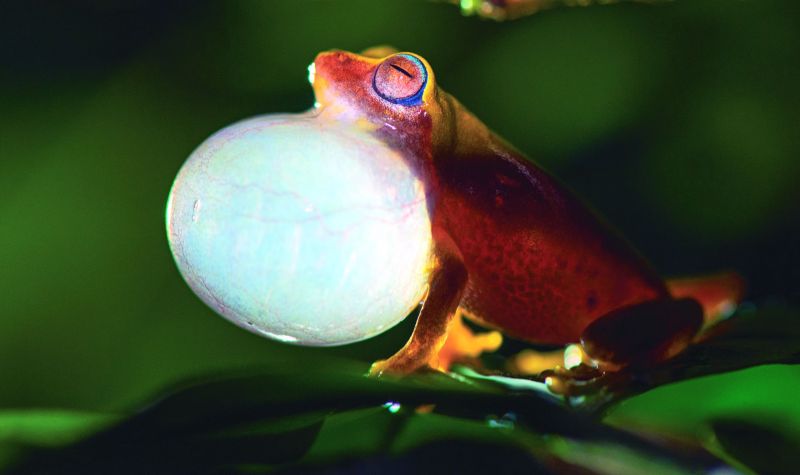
332,418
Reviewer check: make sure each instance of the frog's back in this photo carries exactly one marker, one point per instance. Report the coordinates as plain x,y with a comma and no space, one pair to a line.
541,264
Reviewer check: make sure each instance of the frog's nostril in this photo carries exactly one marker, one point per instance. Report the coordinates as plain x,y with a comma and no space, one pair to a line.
333,60
337,55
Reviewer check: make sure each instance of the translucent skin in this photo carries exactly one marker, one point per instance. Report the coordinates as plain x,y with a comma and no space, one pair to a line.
541,266
302,229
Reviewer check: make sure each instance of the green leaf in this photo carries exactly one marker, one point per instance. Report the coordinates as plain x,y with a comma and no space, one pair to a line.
49,427
763,448
279,415
21,429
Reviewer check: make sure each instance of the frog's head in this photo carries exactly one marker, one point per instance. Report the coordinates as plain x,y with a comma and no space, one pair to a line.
384,90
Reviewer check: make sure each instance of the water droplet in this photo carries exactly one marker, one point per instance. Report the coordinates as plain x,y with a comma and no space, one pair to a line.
506,422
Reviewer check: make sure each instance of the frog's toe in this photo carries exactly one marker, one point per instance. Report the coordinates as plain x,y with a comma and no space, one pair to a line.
378,368
399,366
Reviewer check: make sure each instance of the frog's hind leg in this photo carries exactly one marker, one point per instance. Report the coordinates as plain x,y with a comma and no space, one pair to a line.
643,334
719,294
463,344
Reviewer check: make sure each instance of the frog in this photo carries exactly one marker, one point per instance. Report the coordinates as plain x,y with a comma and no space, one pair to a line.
469,229
515,249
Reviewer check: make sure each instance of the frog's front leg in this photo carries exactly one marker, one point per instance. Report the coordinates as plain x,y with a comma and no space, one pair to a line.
447,283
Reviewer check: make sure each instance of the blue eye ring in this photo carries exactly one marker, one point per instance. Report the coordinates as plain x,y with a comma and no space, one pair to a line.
414,99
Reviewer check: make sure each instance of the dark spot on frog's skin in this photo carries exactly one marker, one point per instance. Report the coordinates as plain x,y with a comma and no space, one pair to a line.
507,181
578,268
249,322
504,192
591,301
498,200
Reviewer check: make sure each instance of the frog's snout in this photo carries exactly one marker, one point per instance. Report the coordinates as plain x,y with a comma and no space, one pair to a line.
332,64
319,71
336,73
344,64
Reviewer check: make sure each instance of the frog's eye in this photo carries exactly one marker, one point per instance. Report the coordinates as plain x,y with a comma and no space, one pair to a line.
401,79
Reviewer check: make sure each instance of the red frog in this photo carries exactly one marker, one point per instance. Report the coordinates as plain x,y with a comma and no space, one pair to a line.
513,248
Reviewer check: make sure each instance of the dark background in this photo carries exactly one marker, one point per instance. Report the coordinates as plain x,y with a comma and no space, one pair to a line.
679,122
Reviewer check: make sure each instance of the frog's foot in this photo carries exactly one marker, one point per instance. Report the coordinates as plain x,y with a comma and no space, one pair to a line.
578,381
533,362
643,334
463,344
400,365
395,366
630,338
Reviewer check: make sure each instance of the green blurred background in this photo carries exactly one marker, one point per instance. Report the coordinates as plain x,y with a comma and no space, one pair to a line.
679,122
